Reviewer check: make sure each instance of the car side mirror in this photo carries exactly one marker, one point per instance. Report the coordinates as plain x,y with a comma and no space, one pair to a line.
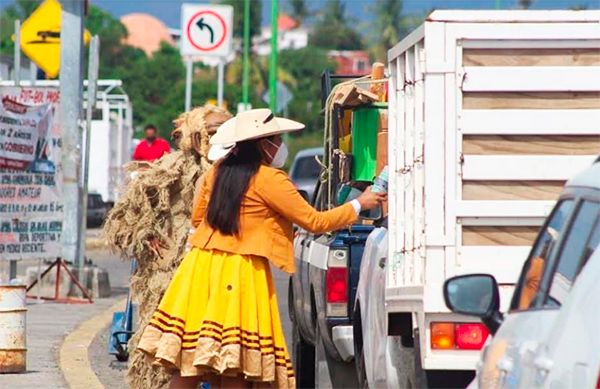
304,195
475,295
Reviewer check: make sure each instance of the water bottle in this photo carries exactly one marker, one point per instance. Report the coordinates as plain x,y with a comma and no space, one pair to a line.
380,185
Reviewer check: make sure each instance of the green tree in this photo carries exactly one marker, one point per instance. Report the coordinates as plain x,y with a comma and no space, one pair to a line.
113,53
299,10
390,26
20,10
148,82
580,7
525,4
306,66
333,29
238,16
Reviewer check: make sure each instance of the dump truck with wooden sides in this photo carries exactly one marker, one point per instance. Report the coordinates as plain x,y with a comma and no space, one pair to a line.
490,112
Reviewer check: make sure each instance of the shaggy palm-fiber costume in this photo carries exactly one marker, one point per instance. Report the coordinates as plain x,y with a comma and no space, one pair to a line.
156,205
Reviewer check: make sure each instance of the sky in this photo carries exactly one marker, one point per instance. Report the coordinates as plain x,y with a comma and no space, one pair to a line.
169,10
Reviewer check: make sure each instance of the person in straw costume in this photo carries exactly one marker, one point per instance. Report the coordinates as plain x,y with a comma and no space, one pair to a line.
218,319
151,221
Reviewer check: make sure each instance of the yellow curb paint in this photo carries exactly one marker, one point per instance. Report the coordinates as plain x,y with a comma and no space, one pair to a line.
74,361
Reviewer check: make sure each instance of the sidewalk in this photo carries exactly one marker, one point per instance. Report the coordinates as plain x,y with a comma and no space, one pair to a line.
47,325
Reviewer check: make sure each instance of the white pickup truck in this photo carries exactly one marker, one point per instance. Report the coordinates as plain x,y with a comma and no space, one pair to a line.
490,113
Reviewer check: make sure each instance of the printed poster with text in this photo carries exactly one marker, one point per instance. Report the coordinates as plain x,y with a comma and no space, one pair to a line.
31,210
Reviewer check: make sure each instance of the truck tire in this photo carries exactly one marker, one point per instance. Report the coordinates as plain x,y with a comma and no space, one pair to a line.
330,373
303,352
304,360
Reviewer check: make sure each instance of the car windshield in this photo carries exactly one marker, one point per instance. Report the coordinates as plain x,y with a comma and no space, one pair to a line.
306,167
544,248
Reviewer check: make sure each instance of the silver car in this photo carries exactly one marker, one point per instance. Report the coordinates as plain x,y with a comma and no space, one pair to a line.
548,339
305,170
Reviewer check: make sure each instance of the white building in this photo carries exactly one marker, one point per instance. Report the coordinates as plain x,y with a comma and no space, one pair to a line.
289,36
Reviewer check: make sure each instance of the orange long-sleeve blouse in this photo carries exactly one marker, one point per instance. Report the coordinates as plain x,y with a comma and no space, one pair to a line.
270,208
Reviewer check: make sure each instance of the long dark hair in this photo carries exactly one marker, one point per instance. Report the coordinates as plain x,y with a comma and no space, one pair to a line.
232,179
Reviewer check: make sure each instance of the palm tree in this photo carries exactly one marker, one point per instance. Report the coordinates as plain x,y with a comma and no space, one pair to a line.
259,74
525,4
390,25
300,11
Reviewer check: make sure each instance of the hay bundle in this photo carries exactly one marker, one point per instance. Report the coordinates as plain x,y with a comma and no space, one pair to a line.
155,206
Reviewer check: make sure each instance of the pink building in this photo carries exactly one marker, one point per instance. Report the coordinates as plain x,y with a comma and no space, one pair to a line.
351,62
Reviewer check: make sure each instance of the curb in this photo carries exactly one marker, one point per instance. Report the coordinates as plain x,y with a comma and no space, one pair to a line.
73,355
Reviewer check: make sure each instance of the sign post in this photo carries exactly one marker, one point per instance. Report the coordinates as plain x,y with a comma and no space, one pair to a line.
206,30
189,66
17,52
221,82
93,64
71,50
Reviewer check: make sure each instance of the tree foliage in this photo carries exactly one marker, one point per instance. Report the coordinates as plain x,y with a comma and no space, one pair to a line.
20,10
156,84
306,66
238,16
525,4
299,10
390,26
334,30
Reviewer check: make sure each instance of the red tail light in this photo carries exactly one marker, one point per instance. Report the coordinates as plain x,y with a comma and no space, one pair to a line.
470,336
337,285
598,382
461,336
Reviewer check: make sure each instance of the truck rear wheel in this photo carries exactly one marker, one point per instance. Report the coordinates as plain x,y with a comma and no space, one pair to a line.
303,352
359,355
304,360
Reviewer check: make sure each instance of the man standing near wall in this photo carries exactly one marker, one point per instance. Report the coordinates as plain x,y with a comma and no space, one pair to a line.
152,147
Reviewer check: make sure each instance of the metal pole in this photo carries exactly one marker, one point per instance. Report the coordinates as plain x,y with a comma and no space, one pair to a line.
17,63
273,65
94,52
71,50
32,73
221,69
246,61
12,267
188,83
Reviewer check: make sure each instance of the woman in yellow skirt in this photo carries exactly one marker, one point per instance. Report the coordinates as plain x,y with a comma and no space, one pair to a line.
218,319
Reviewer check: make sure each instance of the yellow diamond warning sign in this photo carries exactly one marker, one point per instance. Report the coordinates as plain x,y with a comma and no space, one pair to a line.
40,37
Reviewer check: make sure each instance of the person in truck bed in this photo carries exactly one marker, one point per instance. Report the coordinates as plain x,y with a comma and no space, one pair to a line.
218,319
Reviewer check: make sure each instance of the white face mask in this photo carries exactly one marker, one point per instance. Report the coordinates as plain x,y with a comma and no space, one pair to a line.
278,160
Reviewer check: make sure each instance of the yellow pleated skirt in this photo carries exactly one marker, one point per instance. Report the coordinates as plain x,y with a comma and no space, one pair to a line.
220,315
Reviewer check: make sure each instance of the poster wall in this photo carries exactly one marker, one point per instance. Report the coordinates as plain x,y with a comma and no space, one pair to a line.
31,209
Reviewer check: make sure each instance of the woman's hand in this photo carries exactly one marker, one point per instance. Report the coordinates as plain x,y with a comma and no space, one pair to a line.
369,200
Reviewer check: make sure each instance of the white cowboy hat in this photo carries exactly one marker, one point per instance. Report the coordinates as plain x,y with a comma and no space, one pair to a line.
253,124
217,152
